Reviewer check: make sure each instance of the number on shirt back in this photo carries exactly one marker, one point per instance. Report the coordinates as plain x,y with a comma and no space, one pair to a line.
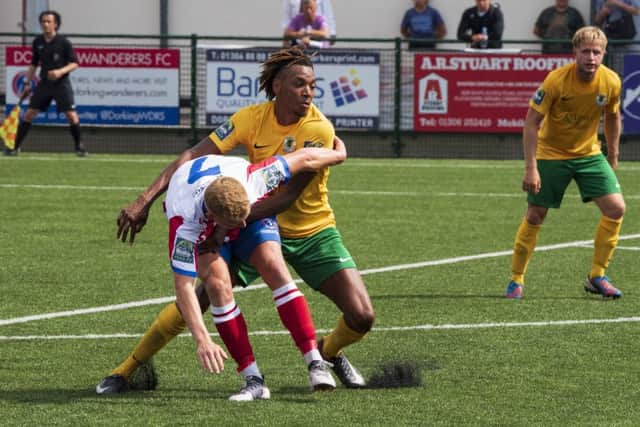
196,172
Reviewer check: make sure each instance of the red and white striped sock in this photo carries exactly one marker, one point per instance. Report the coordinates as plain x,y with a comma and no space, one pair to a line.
232,328
295,316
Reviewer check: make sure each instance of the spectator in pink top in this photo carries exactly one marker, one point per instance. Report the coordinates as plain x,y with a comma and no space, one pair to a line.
307,29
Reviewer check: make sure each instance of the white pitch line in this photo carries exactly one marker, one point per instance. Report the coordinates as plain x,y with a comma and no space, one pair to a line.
164,300
448,327
336,192
71,187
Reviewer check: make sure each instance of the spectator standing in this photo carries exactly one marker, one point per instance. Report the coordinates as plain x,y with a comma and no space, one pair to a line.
559,22
424,22
293,7
616,18
307,28
54,54
482,25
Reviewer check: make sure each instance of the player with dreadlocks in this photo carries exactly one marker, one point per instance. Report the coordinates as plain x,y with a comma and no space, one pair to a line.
311,243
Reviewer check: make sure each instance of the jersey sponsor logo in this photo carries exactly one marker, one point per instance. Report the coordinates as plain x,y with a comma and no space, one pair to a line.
317,144
224,130
289,144
183,251
538,97
601,100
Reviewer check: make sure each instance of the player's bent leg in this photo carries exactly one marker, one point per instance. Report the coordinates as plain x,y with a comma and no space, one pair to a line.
347,290
231,326
349,293
267,259
293,310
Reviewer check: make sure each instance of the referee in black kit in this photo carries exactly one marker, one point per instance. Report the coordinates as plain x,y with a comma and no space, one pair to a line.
56,58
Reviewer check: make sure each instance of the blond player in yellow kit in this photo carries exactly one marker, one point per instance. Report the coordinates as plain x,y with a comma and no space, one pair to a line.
561,144
311,244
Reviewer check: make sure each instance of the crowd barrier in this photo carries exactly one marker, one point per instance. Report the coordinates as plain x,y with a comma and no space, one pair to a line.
375,87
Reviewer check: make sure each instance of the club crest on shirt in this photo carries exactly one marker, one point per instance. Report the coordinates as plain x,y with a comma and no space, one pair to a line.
538,97
289,144
272,176
601,100
224,130
313,144
183,251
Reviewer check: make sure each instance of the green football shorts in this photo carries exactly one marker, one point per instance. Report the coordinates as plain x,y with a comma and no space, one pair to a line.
314,258
593,175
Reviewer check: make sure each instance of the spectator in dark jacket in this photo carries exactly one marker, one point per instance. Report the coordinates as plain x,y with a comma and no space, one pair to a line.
482,25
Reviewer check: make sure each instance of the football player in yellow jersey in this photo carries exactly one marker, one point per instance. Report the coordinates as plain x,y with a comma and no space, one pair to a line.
560,139
311,244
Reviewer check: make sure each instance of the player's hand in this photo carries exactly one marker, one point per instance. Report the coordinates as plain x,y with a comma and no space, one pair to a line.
531,181
211,357
131,220
214,241
54,74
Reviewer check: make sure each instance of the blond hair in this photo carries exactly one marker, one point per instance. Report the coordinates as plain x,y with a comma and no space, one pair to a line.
589,35
226,199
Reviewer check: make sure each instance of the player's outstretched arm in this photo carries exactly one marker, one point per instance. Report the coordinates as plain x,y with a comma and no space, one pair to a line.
134,216
288,193
210,355
280,201
312,159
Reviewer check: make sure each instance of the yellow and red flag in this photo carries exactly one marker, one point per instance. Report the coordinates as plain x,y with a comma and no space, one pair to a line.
9,127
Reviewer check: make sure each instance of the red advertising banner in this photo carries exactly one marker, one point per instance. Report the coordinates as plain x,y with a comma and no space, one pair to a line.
486,92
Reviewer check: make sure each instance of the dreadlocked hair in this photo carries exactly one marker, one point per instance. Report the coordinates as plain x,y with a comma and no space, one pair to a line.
277,62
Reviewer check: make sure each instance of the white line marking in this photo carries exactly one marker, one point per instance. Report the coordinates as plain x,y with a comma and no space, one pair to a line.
164,300
447,326
71,187
341,192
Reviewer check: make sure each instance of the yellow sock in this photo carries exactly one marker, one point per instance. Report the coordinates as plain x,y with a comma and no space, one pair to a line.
604,243
167,325
525,243
341,336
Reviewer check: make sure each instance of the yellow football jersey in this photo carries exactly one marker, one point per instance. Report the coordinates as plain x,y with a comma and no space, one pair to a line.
572,110
257,128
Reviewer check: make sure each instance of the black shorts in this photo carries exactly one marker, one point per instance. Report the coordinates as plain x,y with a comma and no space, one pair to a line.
59,91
